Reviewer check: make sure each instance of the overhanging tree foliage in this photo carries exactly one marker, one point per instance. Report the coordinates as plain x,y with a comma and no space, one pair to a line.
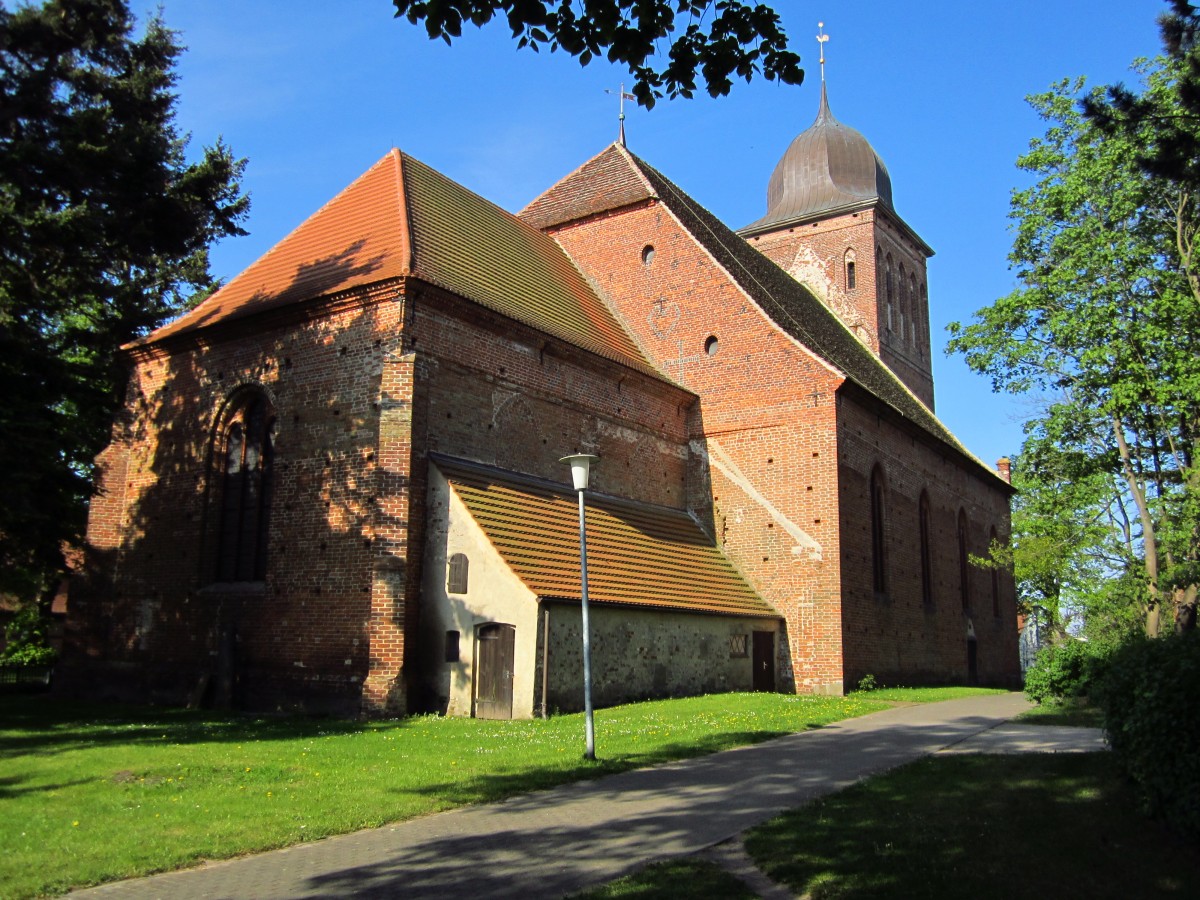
104,229
1105,321
716,40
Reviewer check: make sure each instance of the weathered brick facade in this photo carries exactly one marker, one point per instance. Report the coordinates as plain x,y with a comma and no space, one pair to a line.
705,378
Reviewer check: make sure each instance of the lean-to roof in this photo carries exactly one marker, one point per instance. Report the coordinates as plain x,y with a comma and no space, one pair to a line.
639,554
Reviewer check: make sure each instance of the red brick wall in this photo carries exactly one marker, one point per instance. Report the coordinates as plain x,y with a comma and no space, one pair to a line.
897,637
360,396
152,608
764,468
824,244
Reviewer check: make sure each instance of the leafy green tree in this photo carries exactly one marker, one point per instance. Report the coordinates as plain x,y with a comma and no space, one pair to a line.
104,226
1105,321
715,39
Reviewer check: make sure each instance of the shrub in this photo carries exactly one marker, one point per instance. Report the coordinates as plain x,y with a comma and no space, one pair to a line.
26,640
1152,718
1063,671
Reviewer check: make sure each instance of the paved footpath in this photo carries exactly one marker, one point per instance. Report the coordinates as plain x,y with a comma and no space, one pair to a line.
554,842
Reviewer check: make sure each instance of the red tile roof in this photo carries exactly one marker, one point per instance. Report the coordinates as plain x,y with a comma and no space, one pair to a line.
402,218
639,554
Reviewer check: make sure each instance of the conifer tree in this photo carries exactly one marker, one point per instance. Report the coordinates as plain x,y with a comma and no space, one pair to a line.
104,230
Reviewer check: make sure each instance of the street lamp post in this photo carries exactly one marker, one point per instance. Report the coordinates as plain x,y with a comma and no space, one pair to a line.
581,464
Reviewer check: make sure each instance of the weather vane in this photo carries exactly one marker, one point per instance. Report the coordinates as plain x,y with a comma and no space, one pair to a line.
621,118
822,38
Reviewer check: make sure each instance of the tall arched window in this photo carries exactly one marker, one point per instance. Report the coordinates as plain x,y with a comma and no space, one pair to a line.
247,454
915,301
879,570
964,561
902,304
926,550
890,283
851,274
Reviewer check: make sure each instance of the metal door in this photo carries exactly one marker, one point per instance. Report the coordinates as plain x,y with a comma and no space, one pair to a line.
494,671
764,661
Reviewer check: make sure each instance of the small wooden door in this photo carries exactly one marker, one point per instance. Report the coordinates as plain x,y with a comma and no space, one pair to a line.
764,661
494,671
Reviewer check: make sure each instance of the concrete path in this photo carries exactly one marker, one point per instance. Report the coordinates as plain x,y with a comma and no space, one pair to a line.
555,842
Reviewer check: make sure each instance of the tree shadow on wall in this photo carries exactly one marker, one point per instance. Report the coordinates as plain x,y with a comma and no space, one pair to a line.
155,612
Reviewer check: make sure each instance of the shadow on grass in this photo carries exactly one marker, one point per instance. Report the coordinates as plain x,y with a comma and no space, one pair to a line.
41,725
980,826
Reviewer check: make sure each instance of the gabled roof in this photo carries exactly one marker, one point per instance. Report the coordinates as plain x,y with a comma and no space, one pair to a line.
791,305
639,554
402,218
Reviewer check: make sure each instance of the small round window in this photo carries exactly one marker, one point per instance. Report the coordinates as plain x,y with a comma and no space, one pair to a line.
711,344
647,254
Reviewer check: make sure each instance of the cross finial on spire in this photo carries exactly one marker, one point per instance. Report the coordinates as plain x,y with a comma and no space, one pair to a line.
621,118
822,38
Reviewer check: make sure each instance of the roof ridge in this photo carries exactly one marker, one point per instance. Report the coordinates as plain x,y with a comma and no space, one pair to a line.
410,251
757,290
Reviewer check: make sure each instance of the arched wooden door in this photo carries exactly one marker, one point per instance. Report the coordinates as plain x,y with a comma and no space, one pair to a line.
495,645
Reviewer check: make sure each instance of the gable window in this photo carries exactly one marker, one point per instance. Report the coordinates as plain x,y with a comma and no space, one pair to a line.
926,551
456,575
247,453
879,570
964,562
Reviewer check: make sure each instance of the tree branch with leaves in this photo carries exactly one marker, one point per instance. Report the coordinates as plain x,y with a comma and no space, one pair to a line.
666,44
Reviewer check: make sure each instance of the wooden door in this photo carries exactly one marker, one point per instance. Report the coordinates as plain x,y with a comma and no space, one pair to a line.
764,661
494,671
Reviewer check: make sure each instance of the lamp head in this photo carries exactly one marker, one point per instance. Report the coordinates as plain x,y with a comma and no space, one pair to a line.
581,464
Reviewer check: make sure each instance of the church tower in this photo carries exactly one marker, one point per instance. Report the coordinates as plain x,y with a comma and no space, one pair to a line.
831,224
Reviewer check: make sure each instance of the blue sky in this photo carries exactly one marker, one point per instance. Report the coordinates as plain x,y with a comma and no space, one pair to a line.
314,92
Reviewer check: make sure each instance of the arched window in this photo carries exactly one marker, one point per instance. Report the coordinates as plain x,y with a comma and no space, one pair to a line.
851,274
879,570
456,575
890,292
964,561
915,301
926,550
924,317
995,572
247,455
902,304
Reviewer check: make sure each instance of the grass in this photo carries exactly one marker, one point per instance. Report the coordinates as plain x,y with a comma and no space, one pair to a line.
1001,827
93,794
676,879
1068,712
925,694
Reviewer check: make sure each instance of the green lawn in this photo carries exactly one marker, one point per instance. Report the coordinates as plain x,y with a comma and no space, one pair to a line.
998,827
925,694
942,828
1066,712
96,793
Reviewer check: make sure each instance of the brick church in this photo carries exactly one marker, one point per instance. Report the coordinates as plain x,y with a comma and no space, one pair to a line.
336,483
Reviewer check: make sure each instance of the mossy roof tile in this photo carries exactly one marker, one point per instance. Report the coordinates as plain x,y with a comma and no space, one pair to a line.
639,554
